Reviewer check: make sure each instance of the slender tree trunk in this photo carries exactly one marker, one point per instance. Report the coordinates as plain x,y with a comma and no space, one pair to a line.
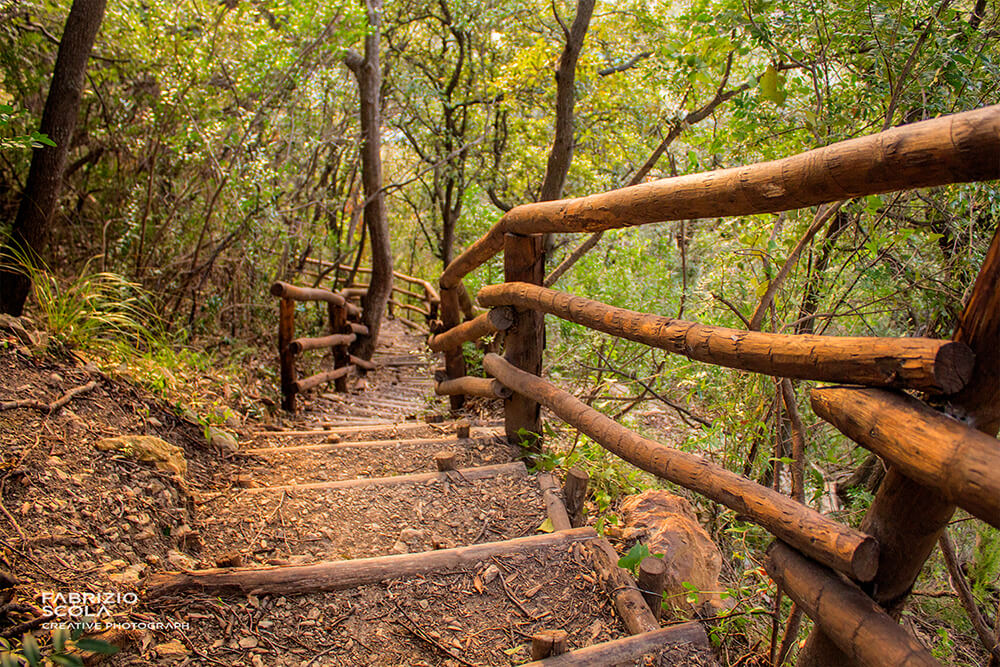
561,153
369,76
41,193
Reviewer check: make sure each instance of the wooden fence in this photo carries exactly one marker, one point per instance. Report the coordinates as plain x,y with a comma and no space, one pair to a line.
936,461
344,328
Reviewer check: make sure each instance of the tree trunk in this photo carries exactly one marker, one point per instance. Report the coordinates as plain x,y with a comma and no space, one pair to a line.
41,193
369,76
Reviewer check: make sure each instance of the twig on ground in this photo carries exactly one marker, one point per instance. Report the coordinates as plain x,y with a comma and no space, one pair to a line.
421,634
54,406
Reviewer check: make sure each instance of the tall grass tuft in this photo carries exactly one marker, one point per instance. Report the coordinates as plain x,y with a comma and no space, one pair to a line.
93,310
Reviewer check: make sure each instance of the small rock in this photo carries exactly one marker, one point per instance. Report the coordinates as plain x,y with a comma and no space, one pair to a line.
410,535
248,642
180,560
245,482
491,573
147,448
222,440
171,649
153,421
229,560
400,548
333,438
55,378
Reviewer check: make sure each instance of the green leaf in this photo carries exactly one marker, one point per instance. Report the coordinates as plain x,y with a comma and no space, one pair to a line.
631,560
67,660
7,659
772,86
29,647
59,637
96,646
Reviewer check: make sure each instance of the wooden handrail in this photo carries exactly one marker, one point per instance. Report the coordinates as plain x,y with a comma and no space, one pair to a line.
847,616
472,386
286,291
473,329
938,366
822,538
958,148
432,294
926,445
300,345
308,383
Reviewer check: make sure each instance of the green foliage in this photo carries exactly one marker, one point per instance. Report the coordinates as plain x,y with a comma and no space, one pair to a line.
33,139
63,648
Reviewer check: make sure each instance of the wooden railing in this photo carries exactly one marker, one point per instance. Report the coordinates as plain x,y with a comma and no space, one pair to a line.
344,326
951,462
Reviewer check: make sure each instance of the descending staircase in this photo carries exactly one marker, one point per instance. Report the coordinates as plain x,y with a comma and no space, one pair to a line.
342,543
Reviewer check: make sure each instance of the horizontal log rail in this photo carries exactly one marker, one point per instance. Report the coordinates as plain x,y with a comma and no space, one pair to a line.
354,292
429,291
916,363
286,291
308,383
472,386
300,345
411,307
829,542
363,363
846,615
927,446
358,328
958,148
465,332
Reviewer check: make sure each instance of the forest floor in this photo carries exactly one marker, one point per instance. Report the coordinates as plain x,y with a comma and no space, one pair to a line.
351,476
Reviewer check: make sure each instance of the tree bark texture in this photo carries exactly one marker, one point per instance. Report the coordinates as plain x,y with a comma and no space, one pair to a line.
833,544
927,446
524,260
472,386
856,624
29,234
627,650
561,153
917,363
952,149
369,75
906,517
344,574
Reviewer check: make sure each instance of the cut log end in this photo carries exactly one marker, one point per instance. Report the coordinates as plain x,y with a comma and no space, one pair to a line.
953,367
445,461
549,643
865,560
277,288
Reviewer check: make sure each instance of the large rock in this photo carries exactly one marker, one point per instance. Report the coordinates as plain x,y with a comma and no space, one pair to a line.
667,525
149,448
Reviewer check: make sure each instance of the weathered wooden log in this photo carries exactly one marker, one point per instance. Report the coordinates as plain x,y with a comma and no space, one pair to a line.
363,363
428,288
836,545
410,324
480,472
952,149
463,428
358,328
908,518
409,306
473,386
300,345
652,580
938,366
365,444
286,358
620,585
575,492
445,461
453,338
924,444
286,291
858,626
344,574
454,360
341,352
554,507
627,650
524,261
305,384
545,643
354,292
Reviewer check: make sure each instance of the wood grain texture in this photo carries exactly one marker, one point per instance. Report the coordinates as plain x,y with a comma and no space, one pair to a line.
305,384
454,361
938,366
472,386
343,574
286,291
858,626
627,650
465,332
286,358
524,261
300,345
958,148
924,444
829,542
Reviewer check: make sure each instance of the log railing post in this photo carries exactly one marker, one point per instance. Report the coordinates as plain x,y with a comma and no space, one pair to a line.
907,518
454,362
286,359
524,261
341,353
